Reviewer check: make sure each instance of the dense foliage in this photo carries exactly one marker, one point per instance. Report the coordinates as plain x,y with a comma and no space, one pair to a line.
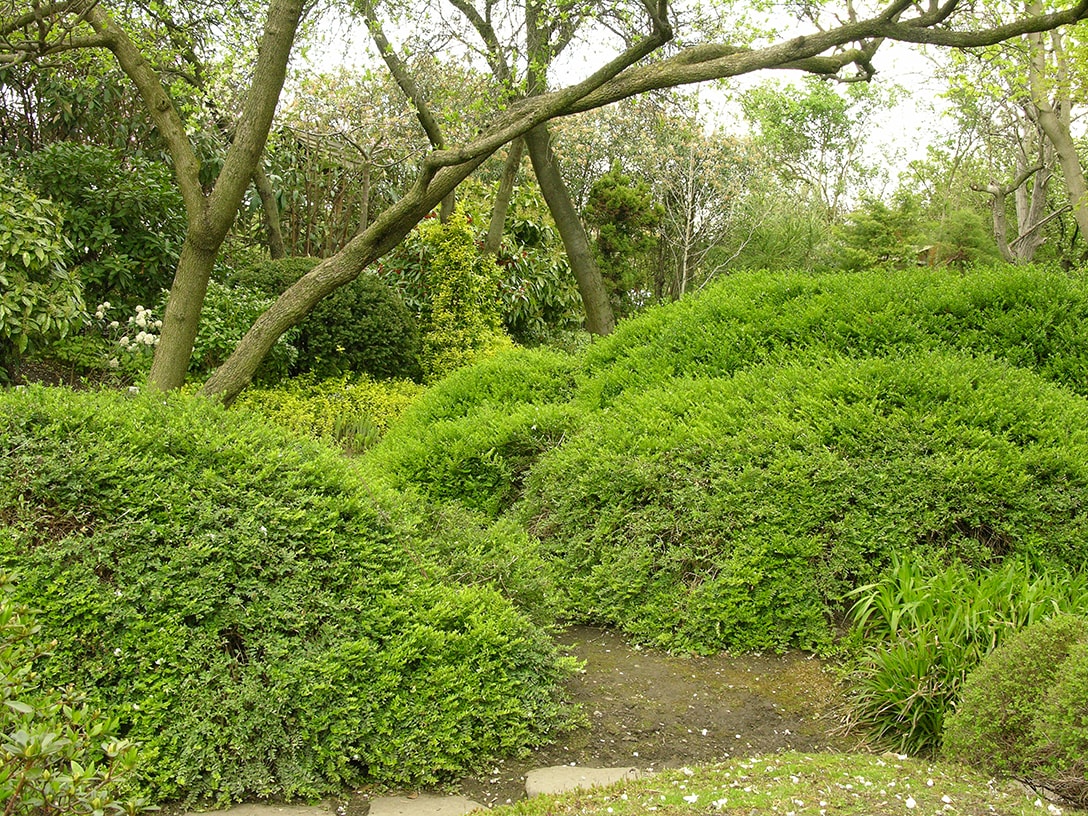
361,328
41,298
1024,711
921,629
274,624
57,755
123,214
721,471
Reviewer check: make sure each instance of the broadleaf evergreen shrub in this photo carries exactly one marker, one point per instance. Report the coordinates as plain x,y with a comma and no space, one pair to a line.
281,626
778,433
1024,710
41,297
362,327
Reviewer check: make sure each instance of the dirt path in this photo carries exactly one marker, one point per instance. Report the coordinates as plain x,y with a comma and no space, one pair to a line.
647,709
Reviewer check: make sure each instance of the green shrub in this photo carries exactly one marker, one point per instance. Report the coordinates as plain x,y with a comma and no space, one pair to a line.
464,323
1030,317
345,411
1024,711
921,630
57,755
474,435
124,216
228,313
736,513
360,328
281,626
41,299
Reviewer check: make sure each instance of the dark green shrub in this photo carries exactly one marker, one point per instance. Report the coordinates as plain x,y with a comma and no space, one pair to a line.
228,313
921,629
1024,711
360,328
41,298
124,216
271,277
281,627
736,513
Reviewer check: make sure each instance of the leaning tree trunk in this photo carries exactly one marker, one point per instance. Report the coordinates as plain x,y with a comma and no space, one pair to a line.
599,316
503,196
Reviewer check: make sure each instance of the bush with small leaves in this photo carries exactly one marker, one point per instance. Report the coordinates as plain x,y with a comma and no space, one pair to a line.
1024,710
58,755
281,625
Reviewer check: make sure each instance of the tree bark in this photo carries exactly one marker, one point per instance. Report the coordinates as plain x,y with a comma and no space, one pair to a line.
503,196
599,316
270,213
1054,121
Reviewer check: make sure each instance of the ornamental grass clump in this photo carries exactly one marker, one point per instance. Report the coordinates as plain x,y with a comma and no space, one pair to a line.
278,626
922,628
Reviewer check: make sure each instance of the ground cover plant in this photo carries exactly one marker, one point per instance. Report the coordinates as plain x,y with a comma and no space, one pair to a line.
262,620
723,470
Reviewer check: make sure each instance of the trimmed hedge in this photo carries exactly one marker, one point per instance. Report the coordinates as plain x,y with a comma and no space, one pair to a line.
735,513
275,625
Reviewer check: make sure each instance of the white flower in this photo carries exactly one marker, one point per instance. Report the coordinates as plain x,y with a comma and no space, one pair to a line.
911,804
117,652
158,324
114,324
139,309
114,362
141,319
123,341
691,798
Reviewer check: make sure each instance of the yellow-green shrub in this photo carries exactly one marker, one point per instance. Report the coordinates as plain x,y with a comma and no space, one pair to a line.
350,410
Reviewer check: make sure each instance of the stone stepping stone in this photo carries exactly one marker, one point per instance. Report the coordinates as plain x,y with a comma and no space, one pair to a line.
271,810
422,805
563,778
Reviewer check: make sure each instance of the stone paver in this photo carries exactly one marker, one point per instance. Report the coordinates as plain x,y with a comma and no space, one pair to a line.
422,805
271,810
563,778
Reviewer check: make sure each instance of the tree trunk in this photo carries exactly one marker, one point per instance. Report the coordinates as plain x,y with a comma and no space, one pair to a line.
599,316
1054,121
503,195
182,317
270,212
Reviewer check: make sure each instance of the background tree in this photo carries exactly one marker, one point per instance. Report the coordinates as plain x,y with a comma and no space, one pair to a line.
625,219
850,42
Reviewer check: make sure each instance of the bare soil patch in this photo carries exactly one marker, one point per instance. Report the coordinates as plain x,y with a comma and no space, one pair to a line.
651,710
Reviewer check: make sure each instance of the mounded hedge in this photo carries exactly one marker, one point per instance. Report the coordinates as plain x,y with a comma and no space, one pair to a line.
720,471
1030,317
736,512
266,622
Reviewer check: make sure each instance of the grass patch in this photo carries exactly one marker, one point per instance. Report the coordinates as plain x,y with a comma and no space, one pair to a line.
791,783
